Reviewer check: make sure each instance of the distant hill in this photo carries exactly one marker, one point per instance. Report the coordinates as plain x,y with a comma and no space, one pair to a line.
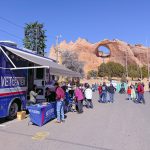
118,52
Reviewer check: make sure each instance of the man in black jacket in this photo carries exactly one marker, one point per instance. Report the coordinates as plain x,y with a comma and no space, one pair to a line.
104,93
111,90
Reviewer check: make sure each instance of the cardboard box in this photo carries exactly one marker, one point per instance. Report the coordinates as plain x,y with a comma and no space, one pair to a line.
21,115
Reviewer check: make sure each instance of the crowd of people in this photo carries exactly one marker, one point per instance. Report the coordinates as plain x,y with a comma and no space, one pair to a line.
136,92
68,97
73,97
104,91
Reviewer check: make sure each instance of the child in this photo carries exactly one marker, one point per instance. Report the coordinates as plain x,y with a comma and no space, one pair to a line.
129,92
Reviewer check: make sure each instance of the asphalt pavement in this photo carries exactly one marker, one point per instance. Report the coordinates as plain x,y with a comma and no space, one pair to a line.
122,125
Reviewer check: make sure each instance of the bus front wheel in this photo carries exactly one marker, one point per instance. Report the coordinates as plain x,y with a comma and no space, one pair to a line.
13,110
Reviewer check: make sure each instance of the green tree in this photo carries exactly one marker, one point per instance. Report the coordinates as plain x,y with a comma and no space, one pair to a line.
103,70
111,69
35,37
144,71
133,71
115,69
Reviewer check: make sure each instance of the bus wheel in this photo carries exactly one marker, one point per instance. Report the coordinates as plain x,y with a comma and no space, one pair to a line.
13,110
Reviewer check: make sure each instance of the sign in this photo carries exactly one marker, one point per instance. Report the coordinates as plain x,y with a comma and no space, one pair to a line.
9,81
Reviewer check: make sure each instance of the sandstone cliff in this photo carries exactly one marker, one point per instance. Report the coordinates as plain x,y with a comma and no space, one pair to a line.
119,52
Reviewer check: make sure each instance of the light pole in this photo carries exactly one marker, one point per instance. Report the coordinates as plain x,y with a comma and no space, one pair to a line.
57,49
148,62
126,63
141,68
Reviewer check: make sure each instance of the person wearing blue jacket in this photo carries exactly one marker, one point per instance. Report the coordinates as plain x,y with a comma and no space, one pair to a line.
104,93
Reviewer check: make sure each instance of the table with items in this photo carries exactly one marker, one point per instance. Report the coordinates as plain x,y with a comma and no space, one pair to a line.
41,113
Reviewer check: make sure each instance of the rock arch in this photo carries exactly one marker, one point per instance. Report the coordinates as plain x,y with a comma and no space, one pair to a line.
105,44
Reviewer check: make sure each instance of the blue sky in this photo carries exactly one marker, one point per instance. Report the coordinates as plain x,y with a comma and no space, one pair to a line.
95,20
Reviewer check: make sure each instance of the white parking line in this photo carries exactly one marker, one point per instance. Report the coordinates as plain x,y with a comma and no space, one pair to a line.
6,124
2,125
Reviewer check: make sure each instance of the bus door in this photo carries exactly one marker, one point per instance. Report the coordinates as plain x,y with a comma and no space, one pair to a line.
39,81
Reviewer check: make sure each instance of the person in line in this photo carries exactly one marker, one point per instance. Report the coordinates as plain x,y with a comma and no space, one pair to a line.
104,93
111,91
100,92
33,94
47,94
129,93
88,96
60,96
79,98
140,89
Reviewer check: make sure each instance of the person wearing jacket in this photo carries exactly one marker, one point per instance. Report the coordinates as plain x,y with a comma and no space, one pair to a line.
140,90
104,93
79,98
100,92
88,96
111,90
129,92
33,95
60,96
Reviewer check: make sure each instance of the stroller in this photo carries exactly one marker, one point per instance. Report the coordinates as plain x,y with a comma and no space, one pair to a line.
70,103
122,89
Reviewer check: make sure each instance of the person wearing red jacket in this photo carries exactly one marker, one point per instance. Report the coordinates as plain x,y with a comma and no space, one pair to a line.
140,90
60,96
100,92
129,92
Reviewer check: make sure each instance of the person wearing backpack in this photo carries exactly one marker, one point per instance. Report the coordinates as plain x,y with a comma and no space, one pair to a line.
104,93
140,90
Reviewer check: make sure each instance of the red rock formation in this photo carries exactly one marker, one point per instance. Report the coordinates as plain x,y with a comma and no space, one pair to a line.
118,51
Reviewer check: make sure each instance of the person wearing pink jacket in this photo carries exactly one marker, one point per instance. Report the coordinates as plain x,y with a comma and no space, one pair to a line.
79,98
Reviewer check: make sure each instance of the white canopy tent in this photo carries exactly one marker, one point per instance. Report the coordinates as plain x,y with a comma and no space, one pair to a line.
55,69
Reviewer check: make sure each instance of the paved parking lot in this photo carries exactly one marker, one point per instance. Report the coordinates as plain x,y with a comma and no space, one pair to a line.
122,125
